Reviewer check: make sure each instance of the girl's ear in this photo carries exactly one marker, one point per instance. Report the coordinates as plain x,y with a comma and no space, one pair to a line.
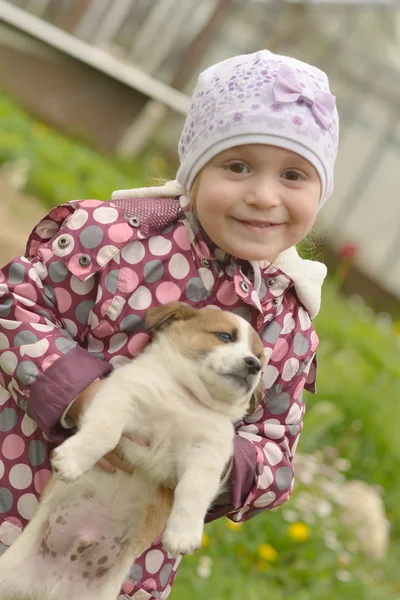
160,317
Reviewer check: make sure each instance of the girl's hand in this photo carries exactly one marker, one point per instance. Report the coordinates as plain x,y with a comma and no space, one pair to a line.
114,459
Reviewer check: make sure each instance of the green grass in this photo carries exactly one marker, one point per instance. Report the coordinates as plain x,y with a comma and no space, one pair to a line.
355,412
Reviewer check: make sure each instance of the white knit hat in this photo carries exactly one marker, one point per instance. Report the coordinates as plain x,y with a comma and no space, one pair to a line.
261,98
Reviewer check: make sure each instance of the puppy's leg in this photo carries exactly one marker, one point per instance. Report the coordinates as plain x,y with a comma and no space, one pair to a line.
102,425
198,484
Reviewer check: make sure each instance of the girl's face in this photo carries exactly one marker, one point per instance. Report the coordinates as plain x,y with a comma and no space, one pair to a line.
255,201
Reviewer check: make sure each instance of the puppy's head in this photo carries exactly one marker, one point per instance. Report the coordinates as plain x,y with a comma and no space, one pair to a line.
225,350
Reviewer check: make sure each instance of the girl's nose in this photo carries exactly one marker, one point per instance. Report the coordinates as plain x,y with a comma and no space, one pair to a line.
263,195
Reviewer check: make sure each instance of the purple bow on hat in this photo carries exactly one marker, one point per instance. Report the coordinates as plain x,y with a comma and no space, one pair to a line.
287,89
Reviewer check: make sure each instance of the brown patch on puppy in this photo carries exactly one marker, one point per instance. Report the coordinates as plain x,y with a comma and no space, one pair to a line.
159,317
256,398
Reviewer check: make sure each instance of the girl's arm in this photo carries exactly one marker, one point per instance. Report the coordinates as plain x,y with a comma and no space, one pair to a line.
261,471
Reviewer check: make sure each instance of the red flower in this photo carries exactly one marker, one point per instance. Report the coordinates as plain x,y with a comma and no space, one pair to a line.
348,251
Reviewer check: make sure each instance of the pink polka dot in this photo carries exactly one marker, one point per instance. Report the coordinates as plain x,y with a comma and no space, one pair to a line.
314,341
40,480
168,292
128,280
25,315
150,583
203,249
103,330
105,307
2,277
76,268
26,290
86,203
13,446
46,254
64,299
137,343
280,350
120,233
299,389
59,213
181,238
127,587
48,361
15,521
226,294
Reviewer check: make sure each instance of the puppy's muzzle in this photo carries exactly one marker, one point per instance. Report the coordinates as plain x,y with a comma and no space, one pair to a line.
253,365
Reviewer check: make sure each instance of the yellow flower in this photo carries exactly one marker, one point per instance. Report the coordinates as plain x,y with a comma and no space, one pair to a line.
299,532
204,540
267,552
233,526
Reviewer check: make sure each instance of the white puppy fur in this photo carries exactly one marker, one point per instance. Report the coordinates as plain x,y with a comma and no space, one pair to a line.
183,394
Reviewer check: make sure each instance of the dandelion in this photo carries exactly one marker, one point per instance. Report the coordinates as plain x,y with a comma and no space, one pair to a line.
267,552
289,515
234,526
299,532
204,540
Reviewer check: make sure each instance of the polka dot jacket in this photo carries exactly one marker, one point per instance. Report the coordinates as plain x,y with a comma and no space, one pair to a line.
73,308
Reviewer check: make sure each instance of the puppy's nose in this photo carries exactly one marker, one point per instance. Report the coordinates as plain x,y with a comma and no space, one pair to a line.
253,365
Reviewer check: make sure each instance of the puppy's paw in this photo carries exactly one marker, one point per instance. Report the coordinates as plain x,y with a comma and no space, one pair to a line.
182,540
64,463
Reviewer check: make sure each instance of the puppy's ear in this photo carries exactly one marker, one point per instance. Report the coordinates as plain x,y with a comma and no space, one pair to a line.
256,398
160,317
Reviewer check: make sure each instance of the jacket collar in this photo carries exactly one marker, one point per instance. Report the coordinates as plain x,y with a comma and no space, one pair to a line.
307,275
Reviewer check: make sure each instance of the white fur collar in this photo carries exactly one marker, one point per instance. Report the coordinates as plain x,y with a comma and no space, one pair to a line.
307,275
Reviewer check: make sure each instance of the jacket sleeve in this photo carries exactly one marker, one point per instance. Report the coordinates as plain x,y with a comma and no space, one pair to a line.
261,469
42,364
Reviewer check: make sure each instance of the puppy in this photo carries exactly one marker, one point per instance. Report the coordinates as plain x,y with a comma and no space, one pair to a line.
183,393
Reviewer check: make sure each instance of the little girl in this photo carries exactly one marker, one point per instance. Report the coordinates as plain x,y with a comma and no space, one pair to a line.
256,163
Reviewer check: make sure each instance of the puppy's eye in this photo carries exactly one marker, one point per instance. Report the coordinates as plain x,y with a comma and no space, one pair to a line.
224,337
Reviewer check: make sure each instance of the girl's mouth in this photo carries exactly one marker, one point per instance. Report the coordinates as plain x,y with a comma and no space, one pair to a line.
257,225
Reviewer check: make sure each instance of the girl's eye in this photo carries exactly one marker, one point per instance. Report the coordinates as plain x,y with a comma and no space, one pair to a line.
224,337
292,175
238,167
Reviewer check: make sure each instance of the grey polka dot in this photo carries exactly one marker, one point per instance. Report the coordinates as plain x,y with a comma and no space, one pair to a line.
165,574
64,345
131,323
91,236
5,307
195,290
244,312
58,271
300,344
2,549
136,573
168,228
16,274
22,403
271,332
36,453
279,404
274,390
153,271
293,429
44,313
66,333
283,477
26,372
99,355
112,281
6,500
25,337
262,291
49,295
8,419
83,310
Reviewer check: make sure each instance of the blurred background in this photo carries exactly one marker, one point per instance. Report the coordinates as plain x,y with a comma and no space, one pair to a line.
93,95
